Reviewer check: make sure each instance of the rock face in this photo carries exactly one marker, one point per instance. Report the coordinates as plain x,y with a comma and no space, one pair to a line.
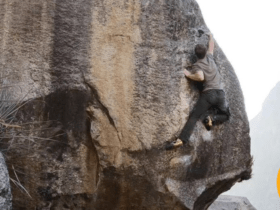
5,188
107,92
261,190
231,203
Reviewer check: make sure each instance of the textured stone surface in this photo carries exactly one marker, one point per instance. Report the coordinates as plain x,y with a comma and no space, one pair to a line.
107,77
227,202
261,190
5,188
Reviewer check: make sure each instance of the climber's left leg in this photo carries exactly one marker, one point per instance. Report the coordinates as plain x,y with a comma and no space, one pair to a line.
200,108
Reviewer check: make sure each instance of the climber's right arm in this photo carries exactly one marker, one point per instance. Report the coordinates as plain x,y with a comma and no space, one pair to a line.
197,76
211,44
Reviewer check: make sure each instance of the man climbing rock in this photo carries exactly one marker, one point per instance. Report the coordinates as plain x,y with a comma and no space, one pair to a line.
212,96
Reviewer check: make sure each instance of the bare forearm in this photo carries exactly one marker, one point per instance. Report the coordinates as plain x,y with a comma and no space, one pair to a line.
197,76
194,77
211,44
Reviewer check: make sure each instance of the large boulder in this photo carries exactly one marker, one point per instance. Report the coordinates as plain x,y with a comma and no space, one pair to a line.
106,89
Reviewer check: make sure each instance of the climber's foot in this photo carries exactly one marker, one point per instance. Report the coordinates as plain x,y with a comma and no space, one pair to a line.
174,144
208,122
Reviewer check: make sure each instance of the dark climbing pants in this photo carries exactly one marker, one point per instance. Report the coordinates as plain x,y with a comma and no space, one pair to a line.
209,99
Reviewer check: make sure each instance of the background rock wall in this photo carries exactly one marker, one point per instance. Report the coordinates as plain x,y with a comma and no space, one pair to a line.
105,80
232,202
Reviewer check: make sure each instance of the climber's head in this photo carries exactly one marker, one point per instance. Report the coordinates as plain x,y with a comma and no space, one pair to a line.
200,51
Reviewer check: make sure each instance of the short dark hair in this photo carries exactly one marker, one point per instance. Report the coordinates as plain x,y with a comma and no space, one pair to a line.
200,51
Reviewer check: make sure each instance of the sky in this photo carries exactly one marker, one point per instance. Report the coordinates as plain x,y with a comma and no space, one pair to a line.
248,31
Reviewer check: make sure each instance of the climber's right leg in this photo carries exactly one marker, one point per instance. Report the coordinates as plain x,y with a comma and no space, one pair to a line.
223,113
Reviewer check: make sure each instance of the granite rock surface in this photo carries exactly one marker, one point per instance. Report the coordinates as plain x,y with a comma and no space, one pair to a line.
107,91
264,131
231,203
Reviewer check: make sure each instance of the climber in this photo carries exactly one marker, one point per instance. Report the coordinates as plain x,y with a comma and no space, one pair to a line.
211,98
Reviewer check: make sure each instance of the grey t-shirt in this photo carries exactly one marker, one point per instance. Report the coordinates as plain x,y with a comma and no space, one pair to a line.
212,77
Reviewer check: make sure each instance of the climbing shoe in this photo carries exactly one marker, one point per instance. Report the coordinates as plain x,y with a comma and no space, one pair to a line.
208,122
174,144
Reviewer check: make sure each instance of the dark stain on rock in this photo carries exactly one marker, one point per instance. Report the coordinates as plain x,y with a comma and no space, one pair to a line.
69,108
45,193
109,191
74,201
122,191
48,176
70,57
200,167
